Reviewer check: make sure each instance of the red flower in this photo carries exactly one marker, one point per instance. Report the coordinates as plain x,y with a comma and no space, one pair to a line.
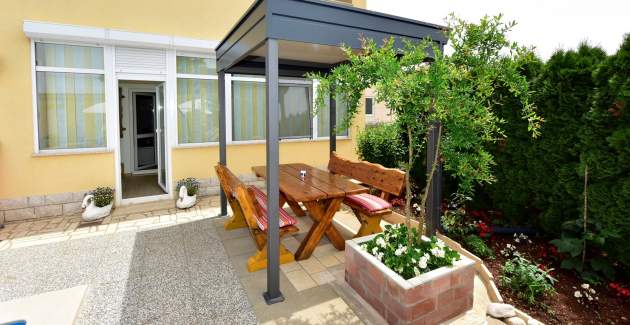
619,290
484,230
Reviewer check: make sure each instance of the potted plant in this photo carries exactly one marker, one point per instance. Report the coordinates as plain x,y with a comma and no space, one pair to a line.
422,282
97,204
187,188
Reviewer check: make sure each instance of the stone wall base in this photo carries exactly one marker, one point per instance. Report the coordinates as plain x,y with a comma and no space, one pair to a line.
69,203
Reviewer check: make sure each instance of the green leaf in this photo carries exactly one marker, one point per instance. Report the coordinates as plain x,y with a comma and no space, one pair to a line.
572,246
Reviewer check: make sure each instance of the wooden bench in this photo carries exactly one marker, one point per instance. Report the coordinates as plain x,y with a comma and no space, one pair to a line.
249,206
368,208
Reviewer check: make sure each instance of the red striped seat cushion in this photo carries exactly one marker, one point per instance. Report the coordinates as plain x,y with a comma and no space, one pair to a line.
284,218
367,202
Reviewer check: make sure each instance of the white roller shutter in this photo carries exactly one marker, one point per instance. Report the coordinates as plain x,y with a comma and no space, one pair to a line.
139,60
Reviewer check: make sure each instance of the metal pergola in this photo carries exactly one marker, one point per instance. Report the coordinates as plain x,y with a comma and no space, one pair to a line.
289,38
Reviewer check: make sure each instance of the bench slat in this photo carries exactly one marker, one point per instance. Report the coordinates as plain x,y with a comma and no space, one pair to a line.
388,180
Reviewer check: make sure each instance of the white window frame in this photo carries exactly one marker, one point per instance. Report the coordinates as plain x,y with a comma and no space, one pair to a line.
106,77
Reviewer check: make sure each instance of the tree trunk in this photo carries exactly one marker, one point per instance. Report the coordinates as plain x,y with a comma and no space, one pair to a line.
408,185
434,164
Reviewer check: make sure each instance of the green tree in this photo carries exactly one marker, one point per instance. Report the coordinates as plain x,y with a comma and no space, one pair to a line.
456,90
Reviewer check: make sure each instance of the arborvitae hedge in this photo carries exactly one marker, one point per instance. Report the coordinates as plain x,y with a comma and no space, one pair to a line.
584,97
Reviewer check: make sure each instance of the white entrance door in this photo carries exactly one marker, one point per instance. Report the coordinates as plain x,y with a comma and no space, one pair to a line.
159,132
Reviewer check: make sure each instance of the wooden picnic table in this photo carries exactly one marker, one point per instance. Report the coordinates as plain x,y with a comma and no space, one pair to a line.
321,193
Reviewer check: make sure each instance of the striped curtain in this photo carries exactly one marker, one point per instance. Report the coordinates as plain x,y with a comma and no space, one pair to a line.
248,110
70,106
295,111
323,119
192,65
197,110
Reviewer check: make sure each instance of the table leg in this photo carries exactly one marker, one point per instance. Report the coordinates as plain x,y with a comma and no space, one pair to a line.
322,213
295,207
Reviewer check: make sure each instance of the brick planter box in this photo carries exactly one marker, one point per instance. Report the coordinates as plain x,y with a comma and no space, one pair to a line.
430,298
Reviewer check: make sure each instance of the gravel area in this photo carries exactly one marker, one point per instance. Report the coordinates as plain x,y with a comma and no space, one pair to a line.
171,275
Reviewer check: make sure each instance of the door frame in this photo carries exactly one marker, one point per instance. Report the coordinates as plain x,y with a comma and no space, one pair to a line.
134,135
169,125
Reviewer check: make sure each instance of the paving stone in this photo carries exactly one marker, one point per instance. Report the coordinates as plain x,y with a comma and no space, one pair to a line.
301,280
312,265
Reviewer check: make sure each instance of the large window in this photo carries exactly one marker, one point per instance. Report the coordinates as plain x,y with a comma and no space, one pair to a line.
197,100
323,119
70,96
248,109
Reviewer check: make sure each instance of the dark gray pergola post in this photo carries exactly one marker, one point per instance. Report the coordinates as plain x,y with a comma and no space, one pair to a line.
434,197
222,136
333,120
273,294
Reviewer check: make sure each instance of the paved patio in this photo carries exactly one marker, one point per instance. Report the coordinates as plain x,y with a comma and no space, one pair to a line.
151,264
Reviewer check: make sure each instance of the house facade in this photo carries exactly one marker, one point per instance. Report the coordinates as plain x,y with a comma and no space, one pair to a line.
124,94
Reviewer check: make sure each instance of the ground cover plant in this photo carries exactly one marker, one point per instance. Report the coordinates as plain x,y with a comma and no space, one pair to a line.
424,255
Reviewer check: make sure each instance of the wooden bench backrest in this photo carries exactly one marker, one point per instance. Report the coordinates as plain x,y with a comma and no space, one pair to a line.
232,186
388,180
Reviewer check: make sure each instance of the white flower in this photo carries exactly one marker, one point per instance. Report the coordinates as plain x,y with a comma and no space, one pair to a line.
591,290
516,240
577,294
374,250
437,252
379,256
416,271
425,238
440,244
400,250
585,286
423,261
381,242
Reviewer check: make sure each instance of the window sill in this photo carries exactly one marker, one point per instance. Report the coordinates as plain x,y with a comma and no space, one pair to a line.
239,143
71,152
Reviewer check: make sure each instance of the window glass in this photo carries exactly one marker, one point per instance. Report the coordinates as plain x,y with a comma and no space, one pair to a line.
197,110
323,119
295,111
248,110
68,56
192,65
70,110
368,106
70,106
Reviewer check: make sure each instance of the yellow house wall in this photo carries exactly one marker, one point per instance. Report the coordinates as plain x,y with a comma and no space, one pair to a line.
23,174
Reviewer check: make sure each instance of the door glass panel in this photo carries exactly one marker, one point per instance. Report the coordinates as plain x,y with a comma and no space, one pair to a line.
161,137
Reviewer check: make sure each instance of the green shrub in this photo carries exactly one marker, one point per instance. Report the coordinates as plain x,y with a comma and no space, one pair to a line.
192,185
478,247
103,196
526,279
381,144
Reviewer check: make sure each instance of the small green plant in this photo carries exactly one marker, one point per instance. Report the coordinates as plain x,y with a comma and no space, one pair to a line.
526,280
425,254
381,144
103,196
478,247
191,183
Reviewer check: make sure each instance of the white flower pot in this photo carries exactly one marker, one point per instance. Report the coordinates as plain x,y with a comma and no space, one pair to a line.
185,201
430,298
91,212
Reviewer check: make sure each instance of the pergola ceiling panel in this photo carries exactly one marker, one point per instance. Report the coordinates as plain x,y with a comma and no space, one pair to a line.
309,34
